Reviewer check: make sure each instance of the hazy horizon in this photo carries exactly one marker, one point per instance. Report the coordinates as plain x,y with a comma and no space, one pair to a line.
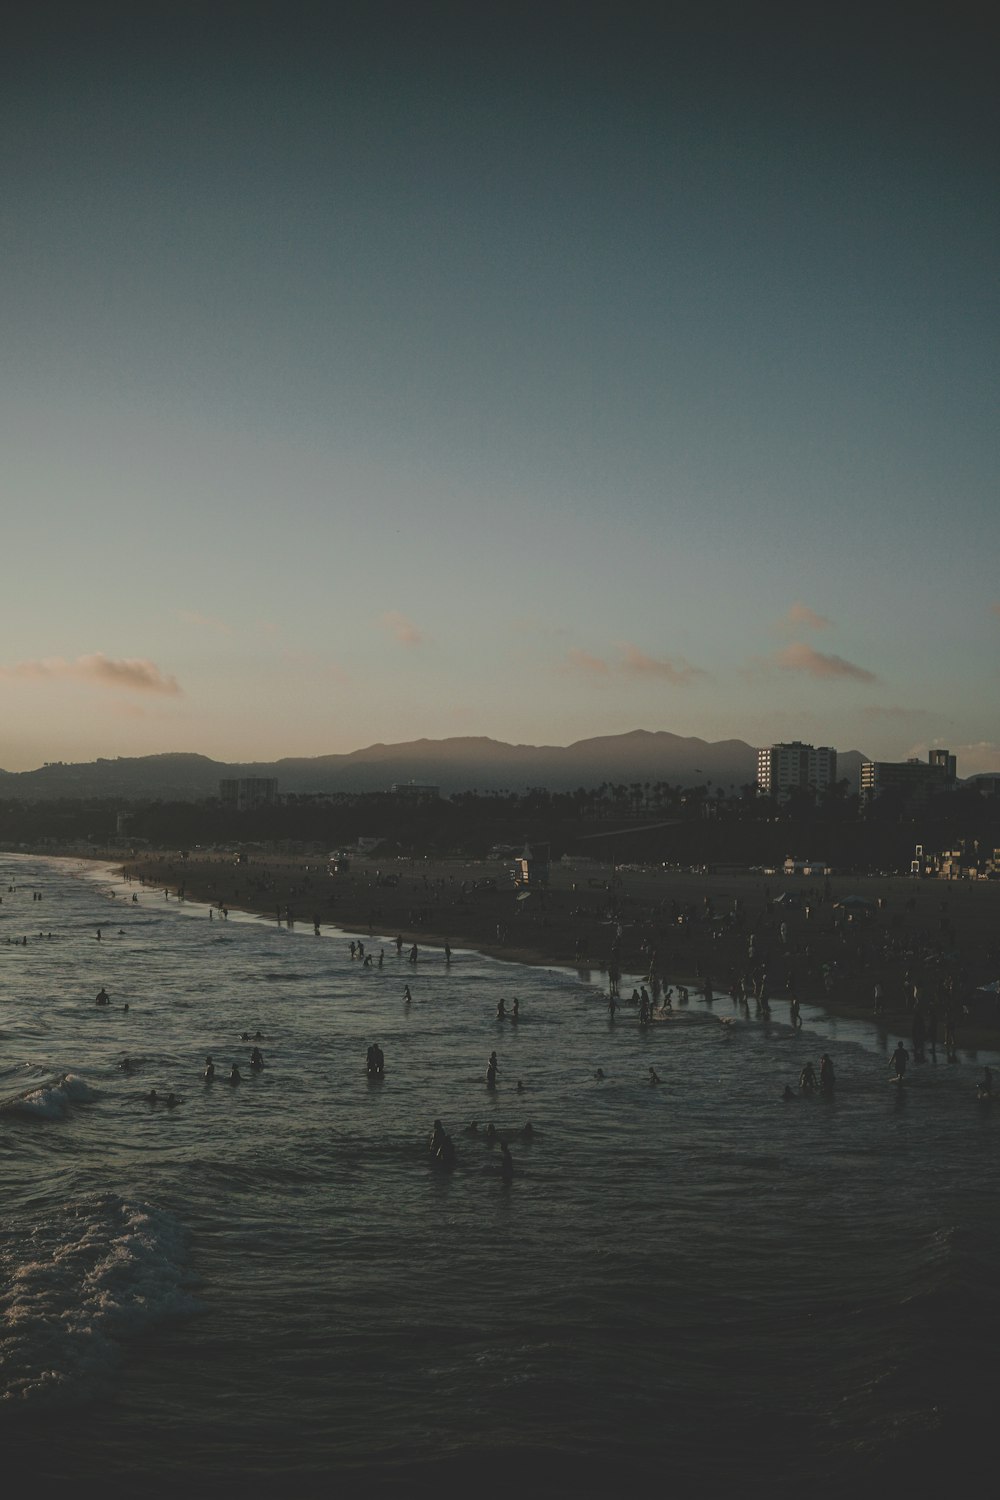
392,371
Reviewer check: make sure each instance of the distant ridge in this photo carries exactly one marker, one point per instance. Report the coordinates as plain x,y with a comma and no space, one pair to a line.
462,763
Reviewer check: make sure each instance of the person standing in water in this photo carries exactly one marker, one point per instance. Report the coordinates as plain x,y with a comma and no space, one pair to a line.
827,1081
491,1072
899,1059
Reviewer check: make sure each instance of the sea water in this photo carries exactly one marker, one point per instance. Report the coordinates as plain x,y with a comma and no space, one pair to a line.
694,1283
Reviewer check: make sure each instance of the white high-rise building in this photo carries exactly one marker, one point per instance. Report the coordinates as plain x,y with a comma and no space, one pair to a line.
782,767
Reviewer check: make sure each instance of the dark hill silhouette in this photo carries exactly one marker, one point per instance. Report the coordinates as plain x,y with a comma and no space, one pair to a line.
454,765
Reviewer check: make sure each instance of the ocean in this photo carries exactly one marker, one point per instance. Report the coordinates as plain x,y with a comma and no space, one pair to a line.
693,1283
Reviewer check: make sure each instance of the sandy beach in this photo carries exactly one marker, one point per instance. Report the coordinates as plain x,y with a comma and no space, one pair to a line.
940,937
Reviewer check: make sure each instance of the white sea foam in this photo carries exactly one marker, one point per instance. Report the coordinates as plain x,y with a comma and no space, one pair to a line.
77,1289
52,1101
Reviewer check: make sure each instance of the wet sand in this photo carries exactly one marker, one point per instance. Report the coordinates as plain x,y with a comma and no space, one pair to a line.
932,933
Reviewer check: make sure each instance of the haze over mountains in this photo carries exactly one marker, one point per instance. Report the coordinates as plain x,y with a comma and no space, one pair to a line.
453,765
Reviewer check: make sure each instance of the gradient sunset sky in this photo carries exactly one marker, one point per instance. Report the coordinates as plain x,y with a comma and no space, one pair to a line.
377,371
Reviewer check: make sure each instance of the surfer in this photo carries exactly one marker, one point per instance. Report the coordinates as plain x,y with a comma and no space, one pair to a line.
899,1060
827,1081
654,1076
209,1070
235,1076
103,997
407,997
256,1060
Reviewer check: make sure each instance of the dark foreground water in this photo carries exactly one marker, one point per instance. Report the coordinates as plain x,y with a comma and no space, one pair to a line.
269,1289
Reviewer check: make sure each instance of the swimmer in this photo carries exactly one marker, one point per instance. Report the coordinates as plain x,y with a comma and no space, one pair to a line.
152,1097
520,1086
126,1065
171,1100
788,1093
599,1075
472,1129
102,997
235,1076
209,1070
528,1131
257,1060
654,1076
375,1060
491,1132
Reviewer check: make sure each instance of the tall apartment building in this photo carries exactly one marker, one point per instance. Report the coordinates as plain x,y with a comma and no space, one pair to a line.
247,792
782,767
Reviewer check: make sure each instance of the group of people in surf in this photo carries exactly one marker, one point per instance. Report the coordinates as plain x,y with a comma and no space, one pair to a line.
443,1153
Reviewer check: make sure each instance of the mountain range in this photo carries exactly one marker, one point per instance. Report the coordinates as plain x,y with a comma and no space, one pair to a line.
454,765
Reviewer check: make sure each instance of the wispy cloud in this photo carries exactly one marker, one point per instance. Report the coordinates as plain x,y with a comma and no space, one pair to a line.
131,674
401,629
204,622
674,670
980,758
633,662
800,616
582,661
798,657
894,711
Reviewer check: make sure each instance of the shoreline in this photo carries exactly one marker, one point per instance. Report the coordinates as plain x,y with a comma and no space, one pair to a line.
941,937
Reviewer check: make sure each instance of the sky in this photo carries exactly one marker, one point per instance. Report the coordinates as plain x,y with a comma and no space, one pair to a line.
395,370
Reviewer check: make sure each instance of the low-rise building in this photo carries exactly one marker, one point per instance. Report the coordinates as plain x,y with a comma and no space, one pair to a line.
913,780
